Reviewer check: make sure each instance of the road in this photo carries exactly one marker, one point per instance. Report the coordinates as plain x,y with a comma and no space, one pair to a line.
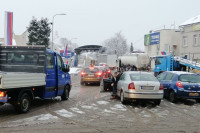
88,110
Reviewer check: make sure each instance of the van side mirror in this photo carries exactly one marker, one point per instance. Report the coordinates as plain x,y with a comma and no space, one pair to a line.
66,68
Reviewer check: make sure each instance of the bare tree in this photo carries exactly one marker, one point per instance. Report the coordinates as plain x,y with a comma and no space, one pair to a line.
116,44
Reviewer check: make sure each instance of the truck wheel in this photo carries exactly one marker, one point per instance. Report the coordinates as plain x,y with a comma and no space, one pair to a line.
65,95
172,97
23,104
157,102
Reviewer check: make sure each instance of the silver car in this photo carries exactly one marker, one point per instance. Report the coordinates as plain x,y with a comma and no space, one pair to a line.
135,85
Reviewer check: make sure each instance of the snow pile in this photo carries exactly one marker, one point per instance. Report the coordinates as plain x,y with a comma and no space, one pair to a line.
193,20
64,113
74,70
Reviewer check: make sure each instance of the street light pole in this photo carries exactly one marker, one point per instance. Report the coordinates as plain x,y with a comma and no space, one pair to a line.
53,24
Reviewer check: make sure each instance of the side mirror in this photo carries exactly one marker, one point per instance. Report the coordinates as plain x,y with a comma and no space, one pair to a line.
66,68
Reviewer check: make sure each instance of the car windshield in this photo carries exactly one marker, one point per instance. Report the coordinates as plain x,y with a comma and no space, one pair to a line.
192,78
142,77
91,70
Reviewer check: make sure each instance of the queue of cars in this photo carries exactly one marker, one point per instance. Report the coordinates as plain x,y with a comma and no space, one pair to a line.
137,85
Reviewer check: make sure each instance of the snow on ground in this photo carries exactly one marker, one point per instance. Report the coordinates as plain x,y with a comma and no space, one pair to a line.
102,102
119,107
64,113
77,110
74,70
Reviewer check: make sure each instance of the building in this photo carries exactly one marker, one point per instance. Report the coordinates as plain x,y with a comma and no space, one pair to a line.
19,40
162,42
190,39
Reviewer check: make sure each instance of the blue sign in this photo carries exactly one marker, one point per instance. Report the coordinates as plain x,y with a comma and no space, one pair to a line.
69,54
151,39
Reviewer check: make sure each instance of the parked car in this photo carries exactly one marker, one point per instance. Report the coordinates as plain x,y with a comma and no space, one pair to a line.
180,85
91,75
134,85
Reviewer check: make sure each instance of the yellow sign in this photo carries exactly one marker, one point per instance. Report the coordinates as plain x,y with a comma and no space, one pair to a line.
196,27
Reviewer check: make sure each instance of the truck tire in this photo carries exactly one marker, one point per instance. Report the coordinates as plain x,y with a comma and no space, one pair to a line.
24,103
65,95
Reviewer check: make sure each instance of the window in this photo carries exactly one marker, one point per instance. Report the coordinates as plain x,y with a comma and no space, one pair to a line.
22,58
50,63
142,77
122,77
185,41
89,71
195,40
158,61
59,61
169,76
191,78
161,76
166,47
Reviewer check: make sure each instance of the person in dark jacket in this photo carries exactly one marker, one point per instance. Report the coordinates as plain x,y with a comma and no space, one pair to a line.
114,85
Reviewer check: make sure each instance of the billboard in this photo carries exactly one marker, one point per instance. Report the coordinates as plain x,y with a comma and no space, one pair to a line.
151,39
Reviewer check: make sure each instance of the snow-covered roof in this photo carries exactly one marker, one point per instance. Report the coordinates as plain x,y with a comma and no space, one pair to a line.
192,20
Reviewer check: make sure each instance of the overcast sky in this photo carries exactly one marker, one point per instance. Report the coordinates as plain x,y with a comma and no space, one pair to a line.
93,21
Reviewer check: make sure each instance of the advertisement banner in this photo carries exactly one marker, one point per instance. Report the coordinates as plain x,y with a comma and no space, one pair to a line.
151,39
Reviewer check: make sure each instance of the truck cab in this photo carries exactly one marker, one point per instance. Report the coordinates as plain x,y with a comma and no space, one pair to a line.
27,72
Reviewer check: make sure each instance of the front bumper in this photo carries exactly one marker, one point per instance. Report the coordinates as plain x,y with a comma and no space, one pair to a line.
139,95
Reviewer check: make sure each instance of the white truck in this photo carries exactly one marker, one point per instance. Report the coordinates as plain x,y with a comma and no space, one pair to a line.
110,60
136,60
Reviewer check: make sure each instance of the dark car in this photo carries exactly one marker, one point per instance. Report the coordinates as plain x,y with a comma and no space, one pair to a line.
179,84
91,75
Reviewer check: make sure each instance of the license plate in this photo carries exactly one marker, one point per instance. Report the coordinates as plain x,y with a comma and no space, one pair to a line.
193,94
147,87
90,75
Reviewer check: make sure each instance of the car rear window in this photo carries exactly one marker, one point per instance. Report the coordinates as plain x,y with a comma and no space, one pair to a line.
142,77
88,70
192,78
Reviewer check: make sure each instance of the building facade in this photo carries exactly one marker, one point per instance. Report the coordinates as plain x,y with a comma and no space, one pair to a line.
190,39
162,42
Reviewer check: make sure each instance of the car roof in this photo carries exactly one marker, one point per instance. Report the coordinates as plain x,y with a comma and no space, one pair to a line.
179,72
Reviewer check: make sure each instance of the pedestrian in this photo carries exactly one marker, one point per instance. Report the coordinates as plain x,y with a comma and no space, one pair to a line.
114,85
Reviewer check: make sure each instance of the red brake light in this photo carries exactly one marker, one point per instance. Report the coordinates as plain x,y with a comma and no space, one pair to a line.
179,84
2,94
161,87
83,73
109,71
99,73
131,86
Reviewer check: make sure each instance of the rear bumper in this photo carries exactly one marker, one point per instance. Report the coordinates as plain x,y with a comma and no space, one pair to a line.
186,94
90,80
137,95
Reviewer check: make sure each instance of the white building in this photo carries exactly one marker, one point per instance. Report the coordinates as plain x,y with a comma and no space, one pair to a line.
163,41
190,39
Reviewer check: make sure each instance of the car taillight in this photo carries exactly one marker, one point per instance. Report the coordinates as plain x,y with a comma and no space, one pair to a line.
83,73
109,71
161,87
99,73
131,86
2,94
179,84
